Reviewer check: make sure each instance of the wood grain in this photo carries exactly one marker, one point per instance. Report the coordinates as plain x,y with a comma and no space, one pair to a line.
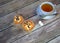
13,6
13,34
36,34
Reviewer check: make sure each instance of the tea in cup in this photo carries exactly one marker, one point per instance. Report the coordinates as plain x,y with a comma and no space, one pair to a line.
46,10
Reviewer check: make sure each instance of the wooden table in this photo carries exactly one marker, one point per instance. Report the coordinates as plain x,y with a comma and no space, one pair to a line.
40,34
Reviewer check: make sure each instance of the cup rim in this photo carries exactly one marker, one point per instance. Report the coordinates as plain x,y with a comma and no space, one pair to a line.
47,3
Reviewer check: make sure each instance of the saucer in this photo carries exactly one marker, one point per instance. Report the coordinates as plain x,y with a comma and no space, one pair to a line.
42,16
49,17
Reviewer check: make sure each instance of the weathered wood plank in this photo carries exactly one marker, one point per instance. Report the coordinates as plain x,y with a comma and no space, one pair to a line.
11,32
13,6
48,25
37,36
16,4
2,2
26,12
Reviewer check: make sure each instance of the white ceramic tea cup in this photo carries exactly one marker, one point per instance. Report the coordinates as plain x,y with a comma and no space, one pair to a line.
44,14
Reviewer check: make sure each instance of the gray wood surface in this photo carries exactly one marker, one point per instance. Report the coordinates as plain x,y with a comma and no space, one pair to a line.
2,2
13,6
32,38
12,34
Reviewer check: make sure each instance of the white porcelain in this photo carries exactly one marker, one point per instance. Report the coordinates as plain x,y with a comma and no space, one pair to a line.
42,13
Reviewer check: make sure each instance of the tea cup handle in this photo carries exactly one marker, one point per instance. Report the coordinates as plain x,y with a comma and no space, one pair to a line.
55,12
